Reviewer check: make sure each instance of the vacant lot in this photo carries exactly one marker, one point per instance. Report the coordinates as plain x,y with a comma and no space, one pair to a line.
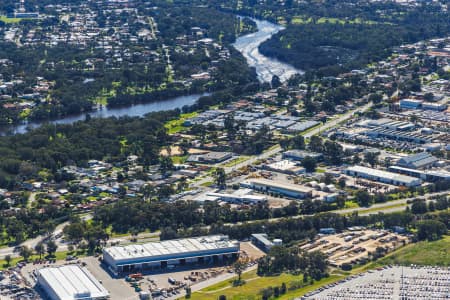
251,250
423,253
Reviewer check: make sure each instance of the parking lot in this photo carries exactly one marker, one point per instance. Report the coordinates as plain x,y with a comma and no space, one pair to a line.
396,283
354,247
13,286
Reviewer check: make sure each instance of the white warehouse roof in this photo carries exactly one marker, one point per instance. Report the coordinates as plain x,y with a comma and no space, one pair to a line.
383,174
70,282
171,248
277,184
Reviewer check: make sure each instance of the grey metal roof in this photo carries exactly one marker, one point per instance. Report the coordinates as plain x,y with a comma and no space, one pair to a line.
262,237
383,174
171,247
72,282
418,160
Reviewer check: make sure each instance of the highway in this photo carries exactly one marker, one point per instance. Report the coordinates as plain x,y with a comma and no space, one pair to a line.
386,207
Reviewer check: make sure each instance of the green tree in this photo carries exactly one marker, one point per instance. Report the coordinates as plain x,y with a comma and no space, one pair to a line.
430,230
165,164
220,178
342,182
428,96
283,289
239,267
40,249
363,198
333,152
371,158
276,292
309,163
375,98
419,207
8,260
51,247
275,82
74,232
229,125
316,144
188,292
25,252
298,142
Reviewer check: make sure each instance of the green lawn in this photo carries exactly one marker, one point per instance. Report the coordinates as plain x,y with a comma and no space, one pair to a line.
10,20
176,125
206,184
179,159
378,209
299,20
331,21
58,256
254,284
236,161
351,204
422,253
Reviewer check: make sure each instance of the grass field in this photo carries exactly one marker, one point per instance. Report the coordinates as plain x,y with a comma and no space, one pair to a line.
179,159
58,256
435,253
254,284
377,209
9,20
176,125
236,161
299,20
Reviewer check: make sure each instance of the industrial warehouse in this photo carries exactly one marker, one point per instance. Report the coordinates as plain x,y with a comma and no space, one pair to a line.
160,255
70,282
383,176
283,188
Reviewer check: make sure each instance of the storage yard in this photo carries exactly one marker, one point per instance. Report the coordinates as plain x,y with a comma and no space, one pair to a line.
353,247
393,283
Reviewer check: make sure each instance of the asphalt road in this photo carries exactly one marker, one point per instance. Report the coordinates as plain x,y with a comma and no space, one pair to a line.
386,207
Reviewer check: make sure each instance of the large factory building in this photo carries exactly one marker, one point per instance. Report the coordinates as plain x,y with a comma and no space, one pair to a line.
70,282
161,255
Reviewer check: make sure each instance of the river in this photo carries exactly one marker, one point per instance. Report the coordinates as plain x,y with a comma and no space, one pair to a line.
265,67
137,110
247,45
